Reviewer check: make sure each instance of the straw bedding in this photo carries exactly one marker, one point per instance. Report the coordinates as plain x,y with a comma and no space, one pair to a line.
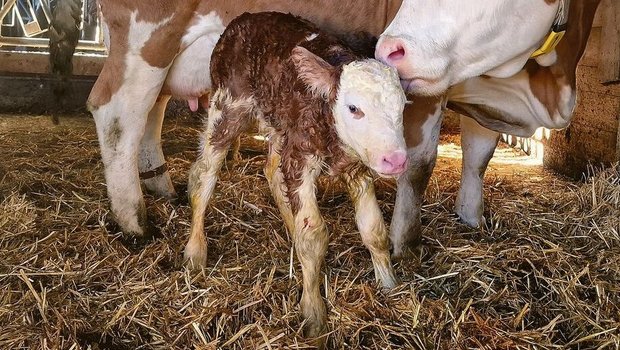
544,273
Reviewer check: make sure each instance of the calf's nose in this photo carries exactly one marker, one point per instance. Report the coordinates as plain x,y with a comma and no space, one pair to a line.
391,51
394,163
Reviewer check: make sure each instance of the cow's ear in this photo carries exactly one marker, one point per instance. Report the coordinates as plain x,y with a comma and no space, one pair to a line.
318,75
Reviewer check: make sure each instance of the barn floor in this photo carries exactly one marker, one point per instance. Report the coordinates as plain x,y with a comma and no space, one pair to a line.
543,274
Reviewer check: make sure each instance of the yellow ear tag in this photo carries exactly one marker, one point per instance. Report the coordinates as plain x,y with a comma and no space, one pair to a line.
552,41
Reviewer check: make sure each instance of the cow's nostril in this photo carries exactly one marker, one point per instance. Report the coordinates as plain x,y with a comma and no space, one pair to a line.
398,54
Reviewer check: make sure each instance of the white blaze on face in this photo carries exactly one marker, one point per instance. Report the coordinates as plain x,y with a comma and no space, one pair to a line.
435,44
369,115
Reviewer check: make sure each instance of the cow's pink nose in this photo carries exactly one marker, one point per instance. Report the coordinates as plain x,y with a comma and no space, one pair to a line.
390,51
394,163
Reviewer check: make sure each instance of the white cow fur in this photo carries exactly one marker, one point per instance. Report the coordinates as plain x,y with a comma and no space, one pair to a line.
121,159
447,42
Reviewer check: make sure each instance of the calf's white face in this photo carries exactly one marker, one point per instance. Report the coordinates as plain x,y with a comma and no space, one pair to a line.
367,103
435,44
369,115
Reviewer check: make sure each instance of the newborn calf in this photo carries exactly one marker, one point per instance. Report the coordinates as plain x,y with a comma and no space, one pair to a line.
326,109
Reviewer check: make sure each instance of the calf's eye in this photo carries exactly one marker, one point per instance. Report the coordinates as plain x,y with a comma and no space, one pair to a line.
357,113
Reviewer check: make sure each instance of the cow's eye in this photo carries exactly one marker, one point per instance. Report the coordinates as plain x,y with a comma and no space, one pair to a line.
352,109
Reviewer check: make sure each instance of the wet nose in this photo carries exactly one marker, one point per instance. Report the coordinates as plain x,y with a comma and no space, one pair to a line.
394,163
391,51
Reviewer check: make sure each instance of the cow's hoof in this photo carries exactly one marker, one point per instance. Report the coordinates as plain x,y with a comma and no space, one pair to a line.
405,249
133,223
160,187
471,220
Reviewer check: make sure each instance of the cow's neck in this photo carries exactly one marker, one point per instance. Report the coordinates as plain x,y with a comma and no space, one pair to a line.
573,44
537,96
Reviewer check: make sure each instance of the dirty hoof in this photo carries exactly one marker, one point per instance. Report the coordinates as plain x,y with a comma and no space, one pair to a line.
195,257
407,250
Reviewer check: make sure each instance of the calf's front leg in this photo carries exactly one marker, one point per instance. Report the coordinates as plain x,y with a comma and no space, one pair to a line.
370,223
310,238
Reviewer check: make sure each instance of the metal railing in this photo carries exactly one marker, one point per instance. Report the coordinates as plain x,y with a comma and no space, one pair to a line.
25,23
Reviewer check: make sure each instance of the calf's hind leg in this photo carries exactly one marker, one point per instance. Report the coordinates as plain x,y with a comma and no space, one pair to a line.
274,176
221,130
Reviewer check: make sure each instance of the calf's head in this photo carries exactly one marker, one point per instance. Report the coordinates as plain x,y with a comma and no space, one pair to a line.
367,102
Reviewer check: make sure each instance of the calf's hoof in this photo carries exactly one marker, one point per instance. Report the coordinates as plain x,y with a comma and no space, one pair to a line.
195,257
388,280
315,330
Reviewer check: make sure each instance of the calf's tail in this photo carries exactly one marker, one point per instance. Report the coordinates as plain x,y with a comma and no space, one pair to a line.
64,32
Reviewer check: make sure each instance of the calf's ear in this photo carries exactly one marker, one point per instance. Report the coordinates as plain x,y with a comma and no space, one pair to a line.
318,75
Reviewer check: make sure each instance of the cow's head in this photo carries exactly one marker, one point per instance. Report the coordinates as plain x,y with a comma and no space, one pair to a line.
367,103
438,43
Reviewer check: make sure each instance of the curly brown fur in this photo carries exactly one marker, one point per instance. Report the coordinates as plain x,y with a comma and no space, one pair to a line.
264,71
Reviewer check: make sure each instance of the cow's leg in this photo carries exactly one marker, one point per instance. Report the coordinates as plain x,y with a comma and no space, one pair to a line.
151,162
275,178
478,144
422,122
123,95
371,226
310,239
120,126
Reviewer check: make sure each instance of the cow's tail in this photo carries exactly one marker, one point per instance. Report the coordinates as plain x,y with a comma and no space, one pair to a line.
64,32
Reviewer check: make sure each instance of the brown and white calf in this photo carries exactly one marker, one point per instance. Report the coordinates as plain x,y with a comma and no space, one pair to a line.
326,108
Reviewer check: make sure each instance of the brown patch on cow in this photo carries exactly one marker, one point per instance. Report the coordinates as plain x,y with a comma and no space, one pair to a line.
158,51
164,44
414,117
572,46
545,86
264,72
332,16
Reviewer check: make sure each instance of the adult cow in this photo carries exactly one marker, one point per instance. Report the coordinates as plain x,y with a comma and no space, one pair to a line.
480,52
162,48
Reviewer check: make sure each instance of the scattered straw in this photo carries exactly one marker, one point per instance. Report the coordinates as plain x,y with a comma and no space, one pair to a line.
543,274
